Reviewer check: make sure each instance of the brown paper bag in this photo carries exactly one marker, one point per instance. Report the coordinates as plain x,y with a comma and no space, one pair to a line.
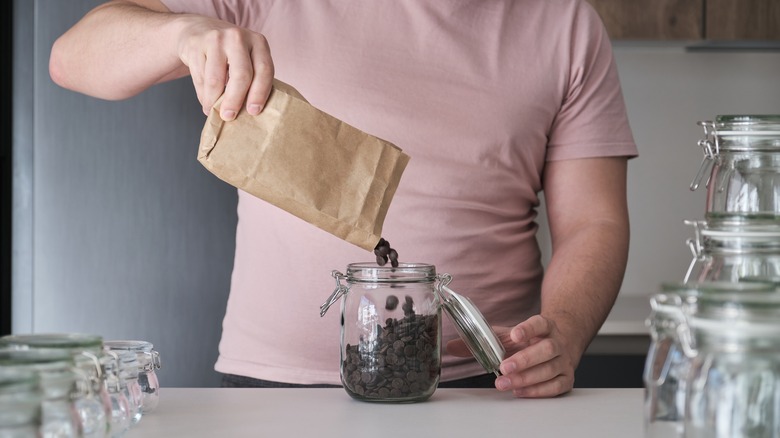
308,163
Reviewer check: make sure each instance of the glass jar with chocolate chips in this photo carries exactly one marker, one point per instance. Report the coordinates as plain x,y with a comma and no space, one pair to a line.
391,330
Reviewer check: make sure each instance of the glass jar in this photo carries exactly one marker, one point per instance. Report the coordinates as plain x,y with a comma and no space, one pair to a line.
20,403
391,330
148,363
128,382
665,369
733,341
94,409
667,366
743,154
121,416
62,387
726,254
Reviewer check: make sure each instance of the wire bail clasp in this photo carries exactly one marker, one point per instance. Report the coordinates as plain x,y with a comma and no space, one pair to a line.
711,148
337,293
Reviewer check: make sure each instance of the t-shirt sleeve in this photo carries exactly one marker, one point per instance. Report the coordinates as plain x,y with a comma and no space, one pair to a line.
592,121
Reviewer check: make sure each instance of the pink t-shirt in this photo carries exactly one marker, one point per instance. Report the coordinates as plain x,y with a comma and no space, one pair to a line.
480,94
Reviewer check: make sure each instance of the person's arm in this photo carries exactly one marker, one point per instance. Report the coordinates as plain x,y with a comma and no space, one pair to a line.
589,226
121,48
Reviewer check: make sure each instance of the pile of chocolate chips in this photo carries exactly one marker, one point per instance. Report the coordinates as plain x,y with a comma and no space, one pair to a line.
401,362
384,253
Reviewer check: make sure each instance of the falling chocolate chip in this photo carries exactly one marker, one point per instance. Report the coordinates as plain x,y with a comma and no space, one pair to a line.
385,253
391,303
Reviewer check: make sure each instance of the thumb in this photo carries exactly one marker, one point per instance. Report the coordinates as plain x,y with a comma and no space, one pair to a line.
458,348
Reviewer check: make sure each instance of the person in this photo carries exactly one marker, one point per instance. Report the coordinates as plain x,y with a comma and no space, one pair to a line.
495,101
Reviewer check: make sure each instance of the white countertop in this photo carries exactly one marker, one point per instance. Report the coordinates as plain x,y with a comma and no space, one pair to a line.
472,413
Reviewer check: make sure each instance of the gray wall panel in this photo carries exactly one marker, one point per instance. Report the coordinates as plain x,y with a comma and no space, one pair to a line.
132,237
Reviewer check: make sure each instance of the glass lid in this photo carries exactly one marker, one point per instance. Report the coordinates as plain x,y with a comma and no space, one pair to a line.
472,327
53,340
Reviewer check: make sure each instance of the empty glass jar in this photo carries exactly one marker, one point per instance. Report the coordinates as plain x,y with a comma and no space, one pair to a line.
665,370
20,403
743,154
94,408
148,363
62,387
733,341
732,255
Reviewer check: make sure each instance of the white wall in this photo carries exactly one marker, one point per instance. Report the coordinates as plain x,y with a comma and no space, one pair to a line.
667,90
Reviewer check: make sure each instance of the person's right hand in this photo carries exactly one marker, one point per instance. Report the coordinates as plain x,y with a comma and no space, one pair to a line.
226,59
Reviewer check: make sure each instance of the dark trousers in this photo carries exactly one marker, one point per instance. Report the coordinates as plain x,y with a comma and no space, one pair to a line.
234,381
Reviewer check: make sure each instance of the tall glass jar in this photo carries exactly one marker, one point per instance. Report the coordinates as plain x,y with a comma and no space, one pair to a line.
390,332
743,152
94,409
733,255
20,403
734,343
148,363
62,386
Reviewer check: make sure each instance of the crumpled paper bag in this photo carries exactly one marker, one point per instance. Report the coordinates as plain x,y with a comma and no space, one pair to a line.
307,163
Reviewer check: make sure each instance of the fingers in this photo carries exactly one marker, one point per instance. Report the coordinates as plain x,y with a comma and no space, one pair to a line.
527,359
544,379
214,78
542,367
533,327
260,87
231,62
549,388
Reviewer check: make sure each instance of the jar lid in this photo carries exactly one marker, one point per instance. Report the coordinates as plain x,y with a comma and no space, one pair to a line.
472,327
38,356
131,345
746,121
54,340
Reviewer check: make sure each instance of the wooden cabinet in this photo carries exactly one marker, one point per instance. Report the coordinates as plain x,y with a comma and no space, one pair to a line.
742,20
651,19
690,19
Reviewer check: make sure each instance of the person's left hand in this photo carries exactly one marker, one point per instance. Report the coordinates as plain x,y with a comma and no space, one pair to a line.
538,363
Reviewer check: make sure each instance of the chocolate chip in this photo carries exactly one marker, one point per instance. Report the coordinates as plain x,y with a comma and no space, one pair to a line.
391,303
385,253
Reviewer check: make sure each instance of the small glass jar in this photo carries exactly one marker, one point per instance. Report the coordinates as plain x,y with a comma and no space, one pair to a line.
743,152
731,255
121,416
20,403
148,363
62,387
391,330
733,341
665,369
94,409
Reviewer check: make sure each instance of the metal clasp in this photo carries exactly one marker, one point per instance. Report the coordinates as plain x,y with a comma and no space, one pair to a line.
696,248
711,148
337,293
